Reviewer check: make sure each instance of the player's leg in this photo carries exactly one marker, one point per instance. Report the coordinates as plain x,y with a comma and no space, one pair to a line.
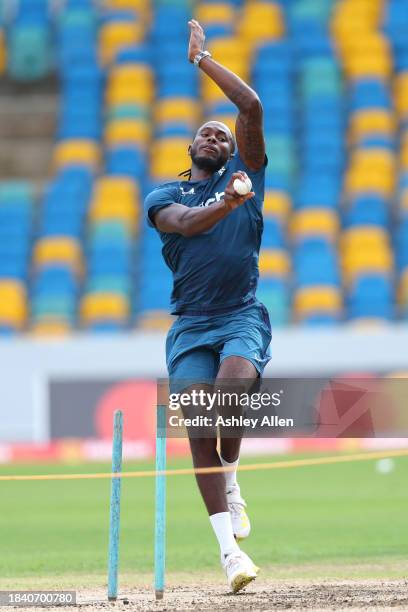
234,368
204,454
239,568
243,358
187,358
192,364
191,367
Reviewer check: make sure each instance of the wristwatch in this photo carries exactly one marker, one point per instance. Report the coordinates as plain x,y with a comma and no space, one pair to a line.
200,56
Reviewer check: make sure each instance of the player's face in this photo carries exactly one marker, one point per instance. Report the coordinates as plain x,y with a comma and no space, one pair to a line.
212,146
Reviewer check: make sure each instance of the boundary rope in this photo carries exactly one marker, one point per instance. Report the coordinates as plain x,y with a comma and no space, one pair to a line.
367,456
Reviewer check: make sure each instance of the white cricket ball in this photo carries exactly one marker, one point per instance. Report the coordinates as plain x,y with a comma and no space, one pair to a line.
242,187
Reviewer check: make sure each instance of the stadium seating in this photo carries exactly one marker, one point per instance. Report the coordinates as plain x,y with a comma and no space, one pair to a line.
333,79
3,52
29,41
16,211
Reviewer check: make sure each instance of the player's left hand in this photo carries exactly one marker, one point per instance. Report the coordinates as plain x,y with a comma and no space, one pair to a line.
197,39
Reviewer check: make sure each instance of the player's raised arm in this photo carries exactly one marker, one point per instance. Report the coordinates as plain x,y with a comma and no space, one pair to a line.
188,222
248,129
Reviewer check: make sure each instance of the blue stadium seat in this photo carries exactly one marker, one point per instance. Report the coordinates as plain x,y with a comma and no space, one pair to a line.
371,296
367,210
315,263
402,244
273,234
126,161
135,55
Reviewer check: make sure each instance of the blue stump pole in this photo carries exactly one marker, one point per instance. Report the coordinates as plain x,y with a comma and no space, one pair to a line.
114,524
160,519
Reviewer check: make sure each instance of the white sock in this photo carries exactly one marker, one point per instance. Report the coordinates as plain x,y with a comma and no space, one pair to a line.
222,525
230,477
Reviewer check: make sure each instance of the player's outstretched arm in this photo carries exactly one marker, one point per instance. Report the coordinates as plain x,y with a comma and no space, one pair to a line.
189,222
249,124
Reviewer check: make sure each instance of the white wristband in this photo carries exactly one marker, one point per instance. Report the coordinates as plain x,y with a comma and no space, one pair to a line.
200,56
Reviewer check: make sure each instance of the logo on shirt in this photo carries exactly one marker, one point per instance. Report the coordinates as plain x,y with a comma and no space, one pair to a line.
190,192
218,196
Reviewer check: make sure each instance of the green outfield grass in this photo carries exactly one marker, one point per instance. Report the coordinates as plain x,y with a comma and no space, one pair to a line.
330,516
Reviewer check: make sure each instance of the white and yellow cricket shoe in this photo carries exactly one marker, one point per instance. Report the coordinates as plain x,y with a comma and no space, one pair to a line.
241,525
240,570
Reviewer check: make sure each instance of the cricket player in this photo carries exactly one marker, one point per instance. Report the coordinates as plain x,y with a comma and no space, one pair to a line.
211,237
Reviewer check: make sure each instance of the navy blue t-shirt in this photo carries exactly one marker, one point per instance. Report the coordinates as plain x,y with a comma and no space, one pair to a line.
217,269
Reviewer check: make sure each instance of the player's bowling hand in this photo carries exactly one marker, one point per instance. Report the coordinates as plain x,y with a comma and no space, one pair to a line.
232,199
197,39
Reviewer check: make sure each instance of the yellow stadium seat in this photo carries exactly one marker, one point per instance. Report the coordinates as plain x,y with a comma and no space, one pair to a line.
318,298
261,21
119,187
230,49
104,306
10,287
115,35
131,75
367,41
120,33
354,15
115,209
358,262
362,236
361,46
381,159
58,249
315,222
277,204
220,13
127,131
369,122
401,93
369,66
13,313
3,52
78,152
116,5
13,304
129,95
169,110
274,263
371,170
169,156
370,181
229,120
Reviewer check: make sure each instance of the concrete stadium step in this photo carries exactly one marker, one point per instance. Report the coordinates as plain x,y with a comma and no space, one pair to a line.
27,127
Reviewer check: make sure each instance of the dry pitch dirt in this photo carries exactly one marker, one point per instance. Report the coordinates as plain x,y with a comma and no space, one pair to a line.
277,595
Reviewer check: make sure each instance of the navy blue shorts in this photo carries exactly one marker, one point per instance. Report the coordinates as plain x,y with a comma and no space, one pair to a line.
196,345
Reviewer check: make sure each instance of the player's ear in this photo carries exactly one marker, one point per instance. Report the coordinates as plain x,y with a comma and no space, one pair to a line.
189,149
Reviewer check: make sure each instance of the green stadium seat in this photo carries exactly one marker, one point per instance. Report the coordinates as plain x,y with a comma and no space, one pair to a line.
29,53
